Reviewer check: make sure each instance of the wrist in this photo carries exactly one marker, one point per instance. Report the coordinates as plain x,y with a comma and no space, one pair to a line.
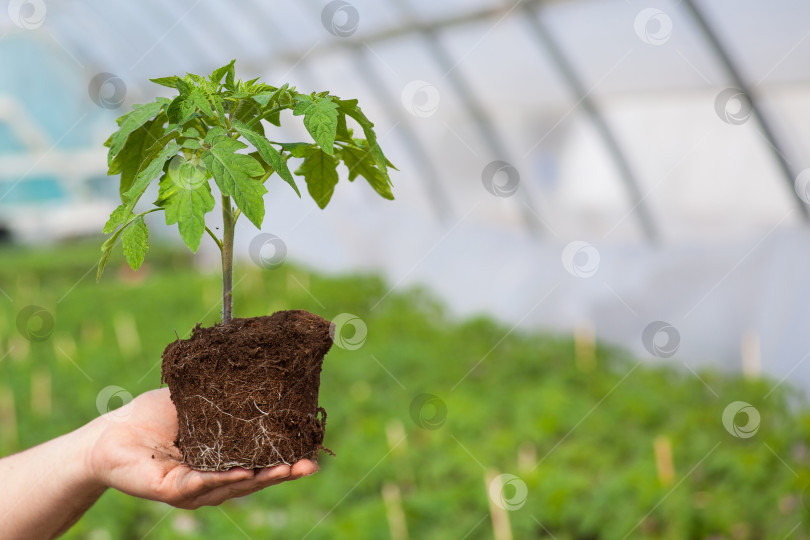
84,458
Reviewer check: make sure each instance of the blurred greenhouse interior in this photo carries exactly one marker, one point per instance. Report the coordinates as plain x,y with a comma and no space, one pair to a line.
635,170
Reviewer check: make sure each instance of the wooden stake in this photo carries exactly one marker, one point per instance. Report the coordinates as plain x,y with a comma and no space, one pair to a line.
501,528
527,457
9,437
127,334
398,444
751,353
41,392
394,511
663,460
585,346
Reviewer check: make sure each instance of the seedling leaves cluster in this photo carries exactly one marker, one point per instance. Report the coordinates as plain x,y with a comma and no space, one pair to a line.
218,127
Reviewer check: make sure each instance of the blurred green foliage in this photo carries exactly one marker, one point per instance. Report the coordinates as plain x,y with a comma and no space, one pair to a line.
583,442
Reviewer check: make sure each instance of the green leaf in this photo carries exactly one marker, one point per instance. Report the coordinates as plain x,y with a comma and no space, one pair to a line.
131,122
297,149
236,175
216,76
170,82
269,154
319,169
200,100
148,173
181,108
136,151
135,243
320,119
350,108
109,244
186,197
118,217
359,161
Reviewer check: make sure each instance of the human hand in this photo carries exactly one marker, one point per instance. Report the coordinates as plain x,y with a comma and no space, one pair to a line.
133,451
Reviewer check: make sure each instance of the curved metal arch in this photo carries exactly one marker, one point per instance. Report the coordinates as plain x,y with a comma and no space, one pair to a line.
734,73
484,124
566,70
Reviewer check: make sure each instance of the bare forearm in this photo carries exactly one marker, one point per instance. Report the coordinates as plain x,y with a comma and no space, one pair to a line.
47,488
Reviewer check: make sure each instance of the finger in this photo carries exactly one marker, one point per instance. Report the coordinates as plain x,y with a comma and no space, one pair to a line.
305,467
193,483
263,478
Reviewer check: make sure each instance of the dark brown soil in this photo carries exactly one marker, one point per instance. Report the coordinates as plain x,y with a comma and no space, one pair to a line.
246,392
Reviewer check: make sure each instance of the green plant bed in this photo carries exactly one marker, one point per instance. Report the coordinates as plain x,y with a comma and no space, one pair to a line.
598,481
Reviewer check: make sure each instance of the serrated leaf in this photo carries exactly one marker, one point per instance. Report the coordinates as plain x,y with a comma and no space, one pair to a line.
359,161
297,149
245,111
181,108
186,203
135,242
319,169
320,119
170,82
136,151
131,122
149,172
216,76
350,108
214,134
237,175
200,100
117,218
268,153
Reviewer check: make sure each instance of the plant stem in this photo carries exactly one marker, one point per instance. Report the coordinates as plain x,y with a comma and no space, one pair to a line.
227,259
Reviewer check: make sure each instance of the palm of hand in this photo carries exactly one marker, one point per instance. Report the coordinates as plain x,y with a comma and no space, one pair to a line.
134,453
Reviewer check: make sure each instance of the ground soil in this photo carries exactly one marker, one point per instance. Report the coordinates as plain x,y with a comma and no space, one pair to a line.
246,392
